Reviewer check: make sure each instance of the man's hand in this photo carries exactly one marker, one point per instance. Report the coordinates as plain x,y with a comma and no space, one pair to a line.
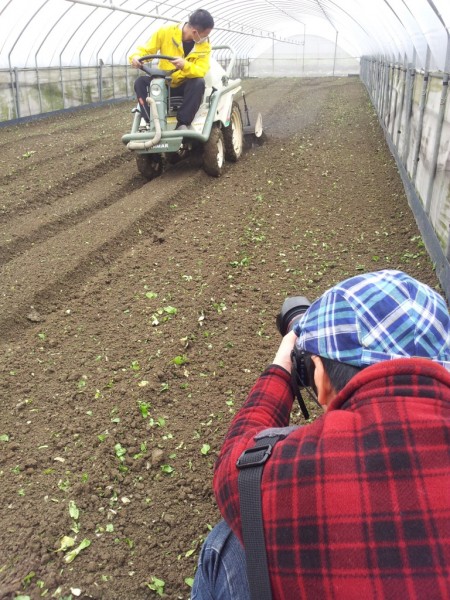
135,63
178,62
283,355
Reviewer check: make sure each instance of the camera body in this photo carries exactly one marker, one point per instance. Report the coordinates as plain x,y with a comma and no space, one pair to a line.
292,310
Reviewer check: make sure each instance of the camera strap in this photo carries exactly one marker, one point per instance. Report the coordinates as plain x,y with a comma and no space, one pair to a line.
251,465
297,381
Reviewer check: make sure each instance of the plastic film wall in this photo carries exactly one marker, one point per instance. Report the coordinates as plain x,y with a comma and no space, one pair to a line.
414,109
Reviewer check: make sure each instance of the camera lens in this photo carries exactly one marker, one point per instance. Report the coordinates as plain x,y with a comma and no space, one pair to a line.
291,311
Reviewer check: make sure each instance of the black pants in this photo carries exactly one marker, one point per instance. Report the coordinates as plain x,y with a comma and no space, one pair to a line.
191,90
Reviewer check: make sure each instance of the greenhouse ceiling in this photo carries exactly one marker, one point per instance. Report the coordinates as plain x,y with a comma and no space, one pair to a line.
83,32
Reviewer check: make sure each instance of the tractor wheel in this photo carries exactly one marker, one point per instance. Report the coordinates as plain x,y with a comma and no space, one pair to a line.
214,153
149,165
233,135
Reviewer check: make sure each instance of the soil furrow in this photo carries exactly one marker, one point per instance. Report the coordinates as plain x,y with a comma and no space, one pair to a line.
63,262
19,234
62,124
53,157
24,203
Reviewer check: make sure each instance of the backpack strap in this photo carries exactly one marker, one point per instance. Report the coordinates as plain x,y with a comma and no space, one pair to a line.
251,465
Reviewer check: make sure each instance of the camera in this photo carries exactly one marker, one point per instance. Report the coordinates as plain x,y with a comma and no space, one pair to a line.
291,311
302,368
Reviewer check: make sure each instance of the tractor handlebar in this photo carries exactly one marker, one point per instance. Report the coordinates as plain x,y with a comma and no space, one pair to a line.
153,71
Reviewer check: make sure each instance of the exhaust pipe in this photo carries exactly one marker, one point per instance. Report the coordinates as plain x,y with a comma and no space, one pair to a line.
155,140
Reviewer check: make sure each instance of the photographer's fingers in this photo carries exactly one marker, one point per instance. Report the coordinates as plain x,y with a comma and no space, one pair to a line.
283,355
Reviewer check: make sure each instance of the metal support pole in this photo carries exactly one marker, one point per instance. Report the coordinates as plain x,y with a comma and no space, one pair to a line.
81,83
16,89
402,76
335,52
304,45
423,102
379,85
62,84
39,89
273,56
437,143
374,79
381,90
396,98
100,80
112,81
411,73
392,74
386,93
375,84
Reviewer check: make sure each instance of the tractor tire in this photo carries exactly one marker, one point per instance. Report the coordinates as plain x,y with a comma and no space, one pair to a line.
214,153
233,135
149,165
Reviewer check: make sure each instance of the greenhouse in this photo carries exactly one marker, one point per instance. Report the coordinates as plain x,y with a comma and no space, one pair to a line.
145,258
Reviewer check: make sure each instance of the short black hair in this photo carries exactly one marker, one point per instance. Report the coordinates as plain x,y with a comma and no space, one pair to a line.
201,19
339,373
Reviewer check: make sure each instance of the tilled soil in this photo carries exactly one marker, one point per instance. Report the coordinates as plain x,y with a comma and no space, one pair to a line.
136,315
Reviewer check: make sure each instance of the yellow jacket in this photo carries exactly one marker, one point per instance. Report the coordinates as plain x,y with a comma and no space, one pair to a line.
167,40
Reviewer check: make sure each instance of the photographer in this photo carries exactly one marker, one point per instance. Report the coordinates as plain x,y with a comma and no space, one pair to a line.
356,504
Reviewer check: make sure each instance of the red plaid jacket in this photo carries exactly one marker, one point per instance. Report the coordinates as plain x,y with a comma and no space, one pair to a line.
356,505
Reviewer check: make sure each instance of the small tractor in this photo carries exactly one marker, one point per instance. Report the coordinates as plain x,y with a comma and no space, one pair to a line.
217,131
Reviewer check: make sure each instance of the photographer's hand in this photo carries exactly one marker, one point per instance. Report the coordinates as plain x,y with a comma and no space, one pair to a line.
283,355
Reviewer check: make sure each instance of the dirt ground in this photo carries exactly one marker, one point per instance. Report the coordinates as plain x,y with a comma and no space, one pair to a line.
136,315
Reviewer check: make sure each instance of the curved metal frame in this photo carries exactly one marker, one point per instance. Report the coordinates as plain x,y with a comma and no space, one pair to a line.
389,30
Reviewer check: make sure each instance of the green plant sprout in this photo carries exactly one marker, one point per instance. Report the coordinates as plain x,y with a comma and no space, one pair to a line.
144,407
219,307
140,454
156,585
180,360
205,449
160,422
70,556
162,315
120,452
167,469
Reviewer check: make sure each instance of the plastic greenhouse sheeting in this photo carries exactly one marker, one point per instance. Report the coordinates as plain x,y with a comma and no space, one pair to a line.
57,33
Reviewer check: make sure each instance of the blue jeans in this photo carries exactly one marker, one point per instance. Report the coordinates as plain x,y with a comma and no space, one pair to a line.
221,573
